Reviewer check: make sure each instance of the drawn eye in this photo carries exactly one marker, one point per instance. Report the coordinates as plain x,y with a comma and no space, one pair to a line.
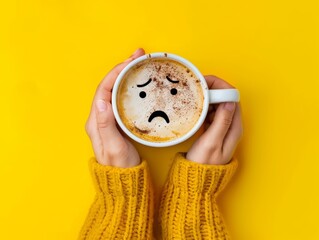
142,94
173,91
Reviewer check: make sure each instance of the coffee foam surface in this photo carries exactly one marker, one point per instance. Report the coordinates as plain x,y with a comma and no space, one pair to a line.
183,109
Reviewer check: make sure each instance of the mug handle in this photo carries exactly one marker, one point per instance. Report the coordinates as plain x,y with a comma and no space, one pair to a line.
223,95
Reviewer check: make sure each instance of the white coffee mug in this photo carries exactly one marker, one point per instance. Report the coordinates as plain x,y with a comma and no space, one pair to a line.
210,96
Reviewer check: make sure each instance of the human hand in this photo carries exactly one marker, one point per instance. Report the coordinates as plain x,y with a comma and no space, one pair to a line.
109,146
223,130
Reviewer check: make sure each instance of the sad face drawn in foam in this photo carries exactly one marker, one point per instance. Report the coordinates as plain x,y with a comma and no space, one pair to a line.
158,113
160,100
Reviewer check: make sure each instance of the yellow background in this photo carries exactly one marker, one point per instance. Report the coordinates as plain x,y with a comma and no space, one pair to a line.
53,54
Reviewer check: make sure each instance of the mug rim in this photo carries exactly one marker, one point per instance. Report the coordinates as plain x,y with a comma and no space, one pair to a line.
181,60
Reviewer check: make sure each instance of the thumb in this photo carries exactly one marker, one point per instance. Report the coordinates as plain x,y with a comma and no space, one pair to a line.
222,121
106,122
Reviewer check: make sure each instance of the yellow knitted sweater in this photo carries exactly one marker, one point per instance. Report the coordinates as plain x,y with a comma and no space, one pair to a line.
124,204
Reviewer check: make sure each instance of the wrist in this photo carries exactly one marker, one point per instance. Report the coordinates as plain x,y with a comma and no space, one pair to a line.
128,161
208,158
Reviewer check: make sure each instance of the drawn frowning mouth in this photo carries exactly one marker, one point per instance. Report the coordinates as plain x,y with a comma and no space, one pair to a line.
158,114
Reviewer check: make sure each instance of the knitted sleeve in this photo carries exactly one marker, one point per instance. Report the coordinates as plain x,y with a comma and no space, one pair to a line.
188,208
123,205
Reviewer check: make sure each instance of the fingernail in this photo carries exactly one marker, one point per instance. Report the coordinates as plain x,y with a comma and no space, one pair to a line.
135,52
101,105
230,106
129,59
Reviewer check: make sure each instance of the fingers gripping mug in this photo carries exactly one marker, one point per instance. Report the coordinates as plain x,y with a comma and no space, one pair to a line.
161,99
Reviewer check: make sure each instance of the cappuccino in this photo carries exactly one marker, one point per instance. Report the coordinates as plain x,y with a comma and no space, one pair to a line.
160,100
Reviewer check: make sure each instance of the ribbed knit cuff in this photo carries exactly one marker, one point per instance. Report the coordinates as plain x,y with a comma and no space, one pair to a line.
123,207
118,181
198,178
